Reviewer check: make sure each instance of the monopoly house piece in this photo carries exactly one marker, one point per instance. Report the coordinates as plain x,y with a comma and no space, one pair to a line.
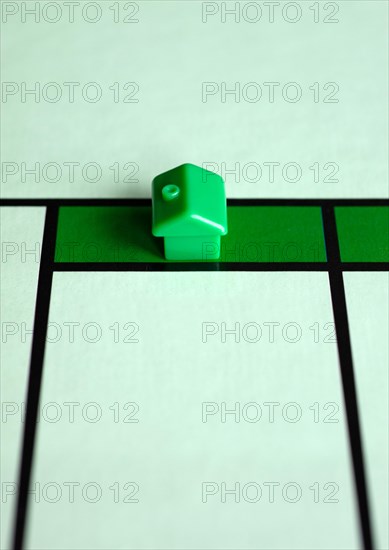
189,212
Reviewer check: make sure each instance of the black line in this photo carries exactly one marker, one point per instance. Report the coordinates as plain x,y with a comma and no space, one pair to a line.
231,202
331,236
189,266
364,266
35,375
216,266
308,202
339,307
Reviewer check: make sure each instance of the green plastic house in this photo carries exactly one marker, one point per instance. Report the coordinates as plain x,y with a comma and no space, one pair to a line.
189,212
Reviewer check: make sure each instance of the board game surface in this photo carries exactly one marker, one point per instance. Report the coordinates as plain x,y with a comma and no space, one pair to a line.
230,404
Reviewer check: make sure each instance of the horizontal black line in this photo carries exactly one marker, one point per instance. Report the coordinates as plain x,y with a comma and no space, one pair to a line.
230,202
188,266
363,266
308,202
218,266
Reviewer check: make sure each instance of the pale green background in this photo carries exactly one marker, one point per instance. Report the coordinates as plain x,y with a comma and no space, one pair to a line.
169,53
22,229
171,452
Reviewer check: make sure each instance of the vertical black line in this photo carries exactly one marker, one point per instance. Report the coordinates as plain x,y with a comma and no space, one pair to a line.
339,307
36,366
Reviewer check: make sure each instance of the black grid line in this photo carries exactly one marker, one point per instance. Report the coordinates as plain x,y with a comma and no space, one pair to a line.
339,308
230,202
35,374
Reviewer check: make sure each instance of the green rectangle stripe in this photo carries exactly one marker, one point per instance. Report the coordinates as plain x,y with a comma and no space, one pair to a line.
255,234
363,233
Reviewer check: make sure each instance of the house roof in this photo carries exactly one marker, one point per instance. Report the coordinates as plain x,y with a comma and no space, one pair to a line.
189,201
